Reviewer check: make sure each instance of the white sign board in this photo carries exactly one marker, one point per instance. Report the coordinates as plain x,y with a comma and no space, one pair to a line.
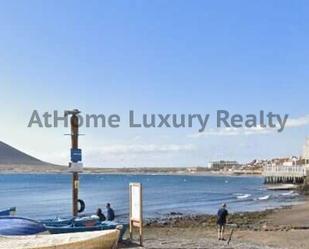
136,202
136,209
75,167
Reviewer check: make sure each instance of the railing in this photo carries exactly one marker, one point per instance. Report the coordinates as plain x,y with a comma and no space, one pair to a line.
284,171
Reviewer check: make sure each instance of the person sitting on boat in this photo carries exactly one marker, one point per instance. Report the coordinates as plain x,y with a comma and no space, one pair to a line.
221,221
110,212
100,214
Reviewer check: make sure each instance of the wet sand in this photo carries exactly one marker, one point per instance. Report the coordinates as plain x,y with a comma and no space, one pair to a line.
286,228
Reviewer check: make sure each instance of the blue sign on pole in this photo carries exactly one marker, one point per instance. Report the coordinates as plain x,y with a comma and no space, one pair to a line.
76,155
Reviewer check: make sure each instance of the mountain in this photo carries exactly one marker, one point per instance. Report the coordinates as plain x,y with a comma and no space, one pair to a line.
12,159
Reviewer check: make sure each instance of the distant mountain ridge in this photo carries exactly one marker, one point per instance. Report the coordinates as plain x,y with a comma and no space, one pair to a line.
11,156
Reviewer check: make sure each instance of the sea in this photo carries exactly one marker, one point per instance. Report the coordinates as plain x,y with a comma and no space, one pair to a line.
41,196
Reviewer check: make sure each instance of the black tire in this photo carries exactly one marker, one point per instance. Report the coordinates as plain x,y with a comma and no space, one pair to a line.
82,206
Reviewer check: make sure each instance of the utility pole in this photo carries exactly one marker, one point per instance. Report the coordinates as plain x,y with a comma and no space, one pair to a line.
76,157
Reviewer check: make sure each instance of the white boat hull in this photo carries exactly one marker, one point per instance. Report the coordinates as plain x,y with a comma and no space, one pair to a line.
107,239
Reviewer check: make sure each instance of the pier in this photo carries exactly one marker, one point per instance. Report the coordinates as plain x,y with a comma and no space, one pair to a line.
294,174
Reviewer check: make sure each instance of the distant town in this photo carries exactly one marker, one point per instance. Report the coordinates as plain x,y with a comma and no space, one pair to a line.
288,169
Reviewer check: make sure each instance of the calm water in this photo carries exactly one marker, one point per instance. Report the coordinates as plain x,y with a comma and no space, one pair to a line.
42,196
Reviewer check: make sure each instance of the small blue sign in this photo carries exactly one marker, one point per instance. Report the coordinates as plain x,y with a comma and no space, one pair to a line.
76,155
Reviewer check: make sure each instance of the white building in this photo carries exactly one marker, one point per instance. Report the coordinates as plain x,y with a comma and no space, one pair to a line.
217,165
305,155
288,170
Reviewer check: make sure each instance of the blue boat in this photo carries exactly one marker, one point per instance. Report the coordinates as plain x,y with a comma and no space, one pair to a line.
8,211
20,226
81,224
62,221
82,220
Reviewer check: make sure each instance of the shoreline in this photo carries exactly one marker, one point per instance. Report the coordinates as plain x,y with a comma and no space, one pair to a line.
280,228
86,172
242,220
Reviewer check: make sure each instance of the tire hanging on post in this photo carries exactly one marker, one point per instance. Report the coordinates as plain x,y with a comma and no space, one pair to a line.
82,206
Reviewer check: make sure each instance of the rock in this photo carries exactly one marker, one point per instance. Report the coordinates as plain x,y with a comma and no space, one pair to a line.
175,213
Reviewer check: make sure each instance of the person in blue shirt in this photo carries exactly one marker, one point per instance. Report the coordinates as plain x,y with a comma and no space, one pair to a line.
221,221
110,212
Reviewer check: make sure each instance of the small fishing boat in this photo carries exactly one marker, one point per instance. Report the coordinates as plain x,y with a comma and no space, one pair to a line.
82,224
10,225
88,240
8,211
81,219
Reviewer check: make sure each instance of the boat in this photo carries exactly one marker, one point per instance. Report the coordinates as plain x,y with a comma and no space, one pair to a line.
72,228
88,240
79,220
8,211
82,224
10,225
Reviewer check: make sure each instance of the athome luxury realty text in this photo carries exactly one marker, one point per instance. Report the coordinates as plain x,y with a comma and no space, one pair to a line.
222,119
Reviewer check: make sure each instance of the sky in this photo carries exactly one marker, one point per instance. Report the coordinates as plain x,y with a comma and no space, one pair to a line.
163,57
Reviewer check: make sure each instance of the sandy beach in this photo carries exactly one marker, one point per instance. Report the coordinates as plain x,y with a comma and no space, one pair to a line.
286,228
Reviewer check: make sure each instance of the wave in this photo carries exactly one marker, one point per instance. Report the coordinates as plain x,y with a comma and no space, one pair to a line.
290,193
263,198
243,196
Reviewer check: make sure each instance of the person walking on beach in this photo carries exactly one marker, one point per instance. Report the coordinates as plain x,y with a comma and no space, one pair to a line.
110,212
221,221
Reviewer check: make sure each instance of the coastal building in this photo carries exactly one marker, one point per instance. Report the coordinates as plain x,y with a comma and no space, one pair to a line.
288,170
305,155
223,165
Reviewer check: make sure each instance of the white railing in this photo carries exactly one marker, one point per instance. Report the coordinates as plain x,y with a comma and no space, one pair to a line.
284,171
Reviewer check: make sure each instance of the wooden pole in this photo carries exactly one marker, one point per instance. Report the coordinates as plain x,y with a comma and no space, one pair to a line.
75,183
75,177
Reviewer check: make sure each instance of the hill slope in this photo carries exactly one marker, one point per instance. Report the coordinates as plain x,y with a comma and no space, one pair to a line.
12,159
10,155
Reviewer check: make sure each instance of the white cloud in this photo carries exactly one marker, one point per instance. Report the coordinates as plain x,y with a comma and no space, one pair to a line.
142,148
122,154
291,123
298,122
231,132
56,157
136,155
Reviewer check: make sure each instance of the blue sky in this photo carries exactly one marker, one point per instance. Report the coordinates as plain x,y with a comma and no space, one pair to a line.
154,57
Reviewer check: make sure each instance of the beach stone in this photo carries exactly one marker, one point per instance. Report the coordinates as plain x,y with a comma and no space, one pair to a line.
205,243
175,213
